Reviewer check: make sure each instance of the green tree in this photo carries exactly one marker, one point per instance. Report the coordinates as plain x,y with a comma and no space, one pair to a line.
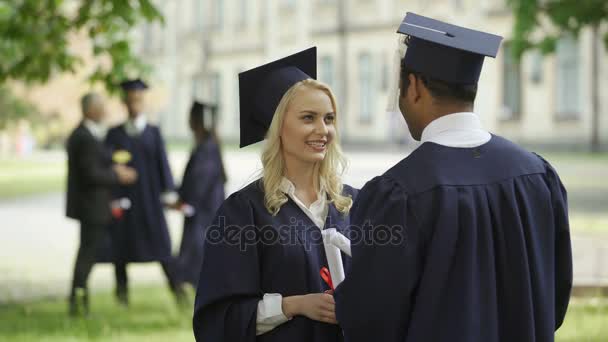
36,37
12,109
540,23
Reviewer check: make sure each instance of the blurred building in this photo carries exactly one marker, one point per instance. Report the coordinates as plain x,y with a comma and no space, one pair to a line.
205,44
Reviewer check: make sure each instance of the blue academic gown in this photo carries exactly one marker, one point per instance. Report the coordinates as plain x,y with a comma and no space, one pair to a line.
141,235
249,252
203,188
479,252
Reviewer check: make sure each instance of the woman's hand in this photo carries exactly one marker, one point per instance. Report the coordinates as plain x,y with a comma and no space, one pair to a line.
316,306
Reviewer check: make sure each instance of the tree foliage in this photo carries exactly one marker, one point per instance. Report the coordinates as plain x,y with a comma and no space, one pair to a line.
36,34
540,23
12,108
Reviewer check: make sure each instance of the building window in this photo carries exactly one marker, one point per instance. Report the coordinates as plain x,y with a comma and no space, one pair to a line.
217,15
216,91
384,73
288,3
511,85
235,96
327,71
197,13
568,74
243,13
196,87
366,88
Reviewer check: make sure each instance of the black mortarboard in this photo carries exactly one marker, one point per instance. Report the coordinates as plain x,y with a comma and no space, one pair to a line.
135,84
262,88
444,51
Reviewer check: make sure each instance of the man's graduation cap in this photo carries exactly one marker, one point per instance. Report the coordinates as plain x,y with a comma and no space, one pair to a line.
134,84
262,88
446,52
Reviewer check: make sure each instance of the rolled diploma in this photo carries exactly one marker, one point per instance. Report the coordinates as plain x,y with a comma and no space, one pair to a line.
334,258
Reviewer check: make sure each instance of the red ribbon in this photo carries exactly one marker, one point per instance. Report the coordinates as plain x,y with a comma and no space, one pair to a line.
326,276
117,212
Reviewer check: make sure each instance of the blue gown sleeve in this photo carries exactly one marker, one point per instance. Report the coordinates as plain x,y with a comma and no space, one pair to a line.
563,247
229,287
198,179
166,177
375,299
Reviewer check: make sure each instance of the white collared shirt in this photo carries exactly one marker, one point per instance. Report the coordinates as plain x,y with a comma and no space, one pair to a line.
136,126
270,309
462,130
317,211
96,129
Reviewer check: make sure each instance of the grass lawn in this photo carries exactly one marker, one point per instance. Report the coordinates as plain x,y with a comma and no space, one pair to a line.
28,177
154,317
583,174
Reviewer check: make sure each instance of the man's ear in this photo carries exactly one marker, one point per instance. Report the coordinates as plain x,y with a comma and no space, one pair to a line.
414,91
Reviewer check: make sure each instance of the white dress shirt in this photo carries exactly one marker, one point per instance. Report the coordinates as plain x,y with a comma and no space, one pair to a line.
270,309
136,126
462,130
96,129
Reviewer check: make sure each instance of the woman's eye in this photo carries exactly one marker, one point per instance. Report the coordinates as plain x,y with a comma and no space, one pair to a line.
330,118
307,118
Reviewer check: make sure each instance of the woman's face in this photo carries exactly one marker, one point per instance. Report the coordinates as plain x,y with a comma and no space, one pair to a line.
308,126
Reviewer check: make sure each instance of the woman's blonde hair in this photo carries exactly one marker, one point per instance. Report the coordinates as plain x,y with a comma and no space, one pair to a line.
329,170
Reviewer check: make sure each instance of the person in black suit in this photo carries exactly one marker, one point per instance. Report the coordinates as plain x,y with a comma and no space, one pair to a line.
90,178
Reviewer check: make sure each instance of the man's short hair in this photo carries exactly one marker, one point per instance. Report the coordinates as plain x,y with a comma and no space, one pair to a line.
88,100
441,90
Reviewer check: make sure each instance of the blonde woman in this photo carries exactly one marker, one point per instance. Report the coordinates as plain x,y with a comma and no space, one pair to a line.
262,256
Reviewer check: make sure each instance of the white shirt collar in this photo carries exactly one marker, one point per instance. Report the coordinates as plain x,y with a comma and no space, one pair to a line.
96,129
317,211
137,125
462,130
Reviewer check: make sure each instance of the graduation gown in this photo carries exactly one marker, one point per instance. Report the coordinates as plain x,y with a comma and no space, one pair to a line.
249,252
141,235
203,188
480,249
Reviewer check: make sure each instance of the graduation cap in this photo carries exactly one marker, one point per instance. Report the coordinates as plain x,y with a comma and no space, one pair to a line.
207,113
134,84
262,88
446,52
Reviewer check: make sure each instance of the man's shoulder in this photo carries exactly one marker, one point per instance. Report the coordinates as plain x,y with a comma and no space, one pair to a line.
79,135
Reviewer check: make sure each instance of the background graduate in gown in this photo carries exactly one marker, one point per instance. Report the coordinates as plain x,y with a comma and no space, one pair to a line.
201,192
479,244
263,253
142,234
91,176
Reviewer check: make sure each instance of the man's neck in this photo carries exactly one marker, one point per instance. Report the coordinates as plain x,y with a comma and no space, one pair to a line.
440,111
96,122
448,109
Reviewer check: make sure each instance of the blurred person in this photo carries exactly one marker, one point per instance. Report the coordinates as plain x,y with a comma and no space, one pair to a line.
260,278
202,190
141,234
480,245
91,176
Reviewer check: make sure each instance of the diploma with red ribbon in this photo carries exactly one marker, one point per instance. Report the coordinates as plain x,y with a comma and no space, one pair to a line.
334,257
118,207
326,276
